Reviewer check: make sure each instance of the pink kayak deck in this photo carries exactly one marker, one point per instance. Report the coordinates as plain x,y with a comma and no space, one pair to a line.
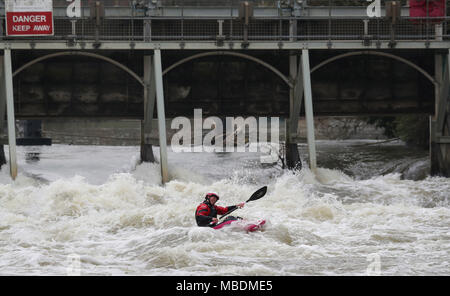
250,227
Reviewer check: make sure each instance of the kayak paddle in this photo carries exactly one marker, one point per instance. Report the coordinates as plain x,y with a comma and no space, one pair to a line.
255,196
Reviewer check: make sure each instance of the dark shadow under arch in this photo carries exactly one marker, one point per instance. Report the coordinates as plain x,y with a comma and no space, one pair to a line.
377,53
231,53
81,53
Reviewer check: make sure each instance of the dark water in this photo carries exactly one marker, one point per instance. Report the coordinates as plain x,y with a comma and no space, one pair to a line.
365,159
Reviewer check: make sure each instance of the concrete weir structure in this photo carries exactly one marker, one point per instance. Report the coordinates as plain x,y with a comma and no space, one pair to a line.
165,58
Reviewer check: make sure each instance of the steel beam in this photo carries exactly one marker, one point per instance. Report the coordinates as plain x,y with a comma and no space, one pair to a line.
2,108
149,107
345,11
8,78
292,155
221,11
309,110
443,102
443,140
2,93
297,98
439,138
213,45
161,116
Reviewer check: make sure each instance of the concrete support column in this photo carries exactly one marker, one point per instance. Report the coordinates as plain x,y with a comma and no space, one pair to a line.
439,73
309,110
149,107
7,91
295,100
2,107
161,115
440,123
434,150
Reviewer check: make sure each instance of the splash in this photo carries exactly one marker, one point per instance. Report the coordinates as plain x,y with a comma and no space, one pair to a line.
322,223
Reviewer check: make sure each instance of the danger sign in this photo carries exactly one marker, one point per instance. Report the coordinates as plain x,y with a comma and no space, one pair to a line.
29,18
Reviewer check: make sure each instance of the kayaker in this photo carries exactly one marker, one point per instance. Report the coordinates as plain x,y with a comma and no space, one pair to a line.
206,213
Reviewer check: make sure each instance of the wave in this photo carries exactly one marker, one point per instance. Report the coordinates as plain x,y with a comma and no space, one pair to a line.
131,224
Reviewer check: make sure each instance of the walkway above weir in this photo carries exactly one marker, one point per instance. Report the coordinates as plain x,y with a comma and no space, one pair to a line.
145,32
227,24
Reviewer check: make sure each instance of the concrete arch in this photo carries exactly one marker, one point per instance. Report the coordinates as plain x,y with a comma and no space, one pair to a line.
231,53
81,53
377,53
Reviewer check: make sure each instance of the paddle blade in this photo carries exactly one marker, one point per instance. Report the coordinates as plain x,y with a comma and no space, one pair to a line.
258,194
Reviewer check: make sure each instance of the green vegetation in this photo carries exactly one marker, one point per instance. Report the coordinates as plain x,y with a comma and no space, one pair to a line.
412,129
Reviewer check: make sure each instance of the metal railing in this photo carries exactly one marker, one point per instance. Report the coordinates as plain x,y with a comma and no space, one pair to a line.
311,28
142,27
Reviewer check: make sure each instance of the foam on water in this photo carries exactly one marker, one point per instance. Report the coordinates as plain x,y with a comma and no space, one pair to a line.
322,223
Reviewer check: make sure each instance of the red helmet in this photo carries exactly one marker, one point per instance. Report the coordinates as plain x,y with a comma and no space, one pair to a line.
209,195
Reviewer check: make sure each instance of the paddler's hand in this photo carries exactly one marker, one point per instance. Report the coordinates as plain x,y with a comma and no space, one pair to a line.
241,205
214,220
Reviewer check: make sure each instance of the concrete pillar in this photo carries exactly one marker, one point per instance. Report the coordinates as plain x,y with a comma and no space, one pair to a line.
309,110
2,107
161,115
149,107
295,100
439,73
434,150
8,86
440,123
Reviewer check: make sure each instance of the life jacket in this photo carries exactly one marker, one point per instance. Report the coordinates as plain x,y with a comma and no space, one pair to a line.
206,211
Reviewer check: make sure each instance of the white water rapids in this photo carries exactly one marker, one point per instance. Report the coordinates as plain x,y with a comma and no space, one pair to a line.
98,204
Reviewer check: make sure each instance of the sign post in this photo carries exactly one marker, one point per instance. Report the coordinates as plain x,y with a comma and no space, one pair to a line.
29,18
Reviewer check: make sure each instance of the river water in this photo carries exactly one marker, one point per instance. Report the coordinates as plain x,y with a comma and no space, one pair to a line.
93,210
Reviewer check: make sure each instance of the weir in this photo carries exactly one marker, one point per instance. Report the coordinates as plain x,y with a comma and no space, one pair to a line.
121,59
